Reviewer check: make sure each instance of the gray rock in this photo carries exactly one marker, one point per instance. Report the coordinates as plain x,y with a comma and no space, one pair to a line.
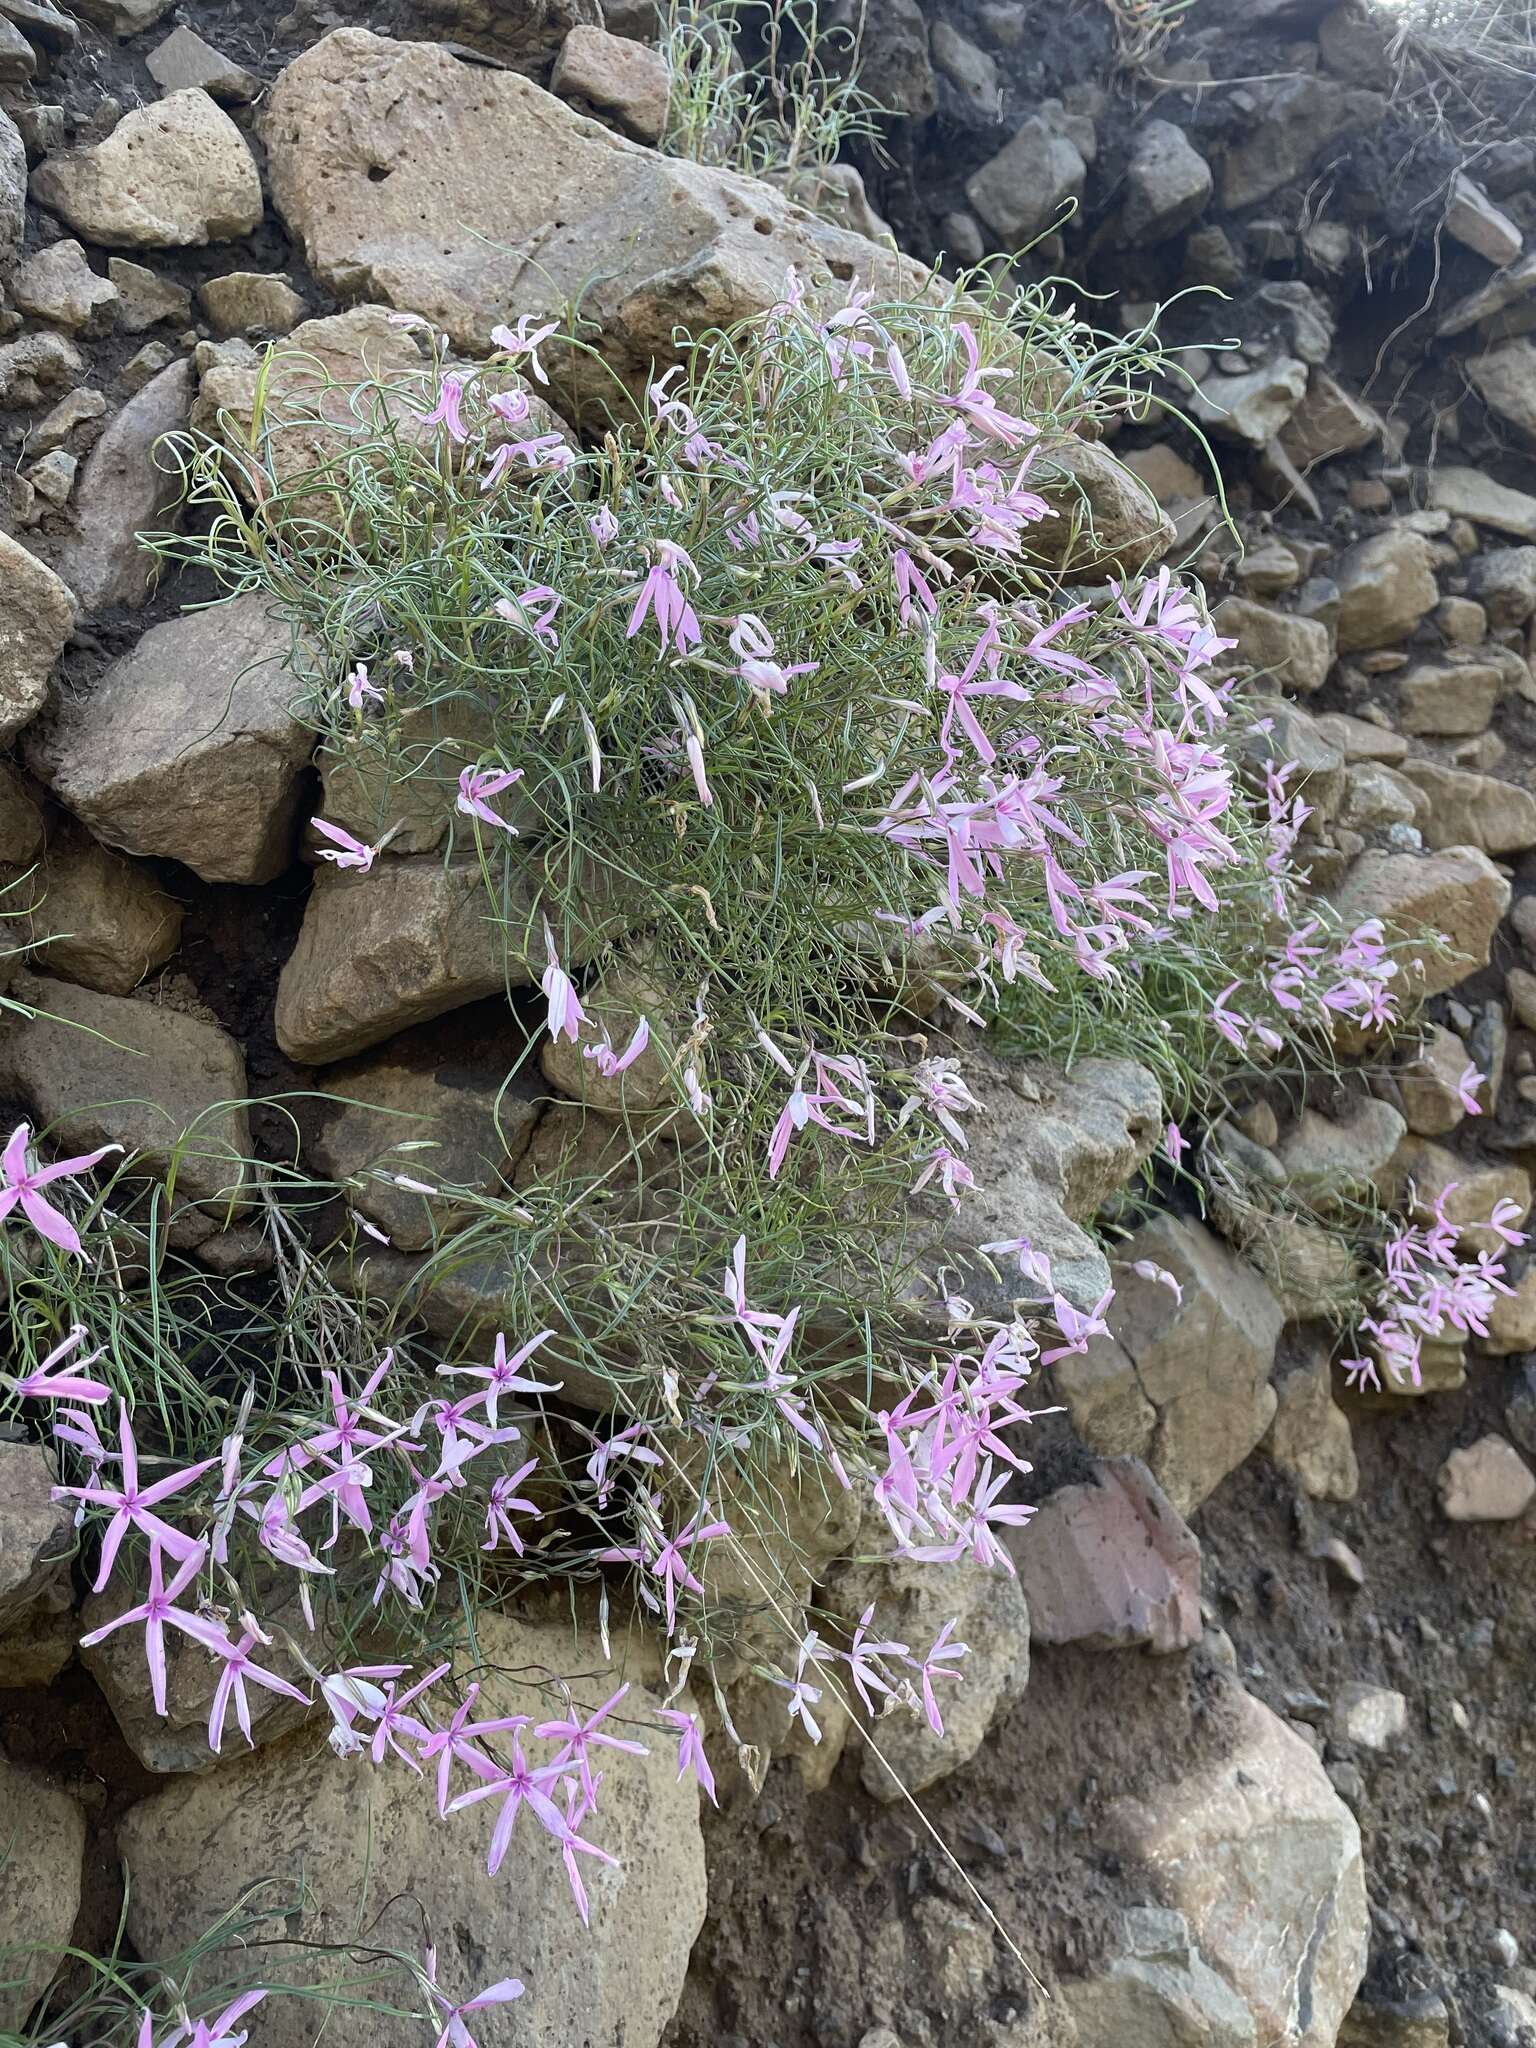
1428,1083
1020,191
184,60
344,1828
968,68
187,748
1048,1150
1253,406
1506,378
1263,1859
1369,1716
34,367
1472,219
13,193
1167,183
1111,1564
174,175
1200,1363
1386,586
123,493
1333,1161
18,59
44,1833
37,615
107,1070
1158,1991
1504,582
1470,494
412,179
124,17
1294,121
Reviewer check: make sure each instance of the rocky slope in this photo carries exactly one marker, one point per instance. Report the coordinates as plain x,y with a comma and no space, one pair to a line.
1251,1760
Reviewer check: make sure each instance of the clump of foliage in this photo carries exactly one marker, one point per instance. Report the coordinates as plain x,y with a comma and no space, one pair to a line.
792,775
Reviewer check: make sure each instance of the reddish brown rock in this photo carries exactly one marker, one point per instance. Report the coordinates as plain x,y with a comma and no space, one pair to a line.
1111,1563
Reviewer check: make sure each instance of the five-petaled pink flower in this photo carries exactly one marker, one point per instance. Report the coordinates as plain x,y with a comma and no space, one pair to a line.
454,2032
133,1505
21,1183
157,1611
662,596
54,1381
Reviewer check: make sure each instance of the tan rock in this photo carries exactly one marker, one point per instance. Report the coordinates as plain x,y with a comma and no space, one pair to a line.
1357,739
1520,988
1467,808
44,1833
170,176
1253,406
1512,1325
184,60
1329,421
1170,479
1470,1191
37,615
188,748
467,195
21,822
1111,1564
1489,1481
144,297
37,1534
1428,1084
250,302
1284,647
1450,697
626,79
1472,219
1457,891
410,940
1104,521
58,284
1386,585
106,1070
344,1829
1310,1437
97,919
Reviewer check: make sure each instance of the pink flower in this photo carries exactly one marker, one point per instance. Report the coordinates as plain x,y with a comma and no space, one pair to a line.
158,1611
231,1686
46,1383
913,593
1175,1144
521,1786
502,1503
524,341
535,611
505,1375
454,2032
611,1063
662,597
345,851
359,689
448,411
1467,1087
936,1665
477,786
690,1750
603,526
133,1505
566,1016
577,1738
20,1183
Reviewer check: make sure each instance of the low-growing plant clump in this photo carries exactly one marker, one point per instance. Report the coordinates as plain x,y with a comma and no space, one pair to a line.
795,776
